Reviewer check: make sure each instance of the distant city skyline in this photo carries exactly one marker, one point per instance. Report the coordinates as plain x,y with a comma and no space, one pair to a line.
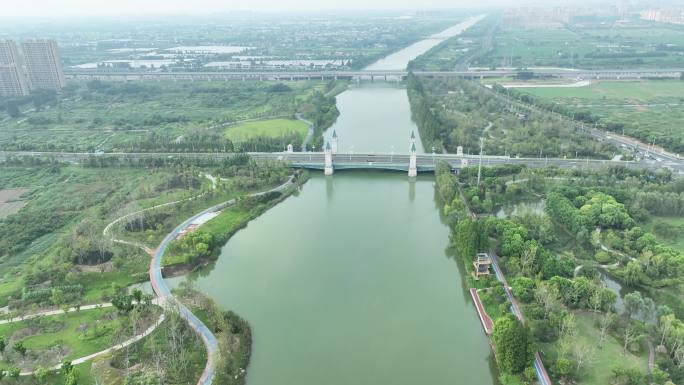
72,8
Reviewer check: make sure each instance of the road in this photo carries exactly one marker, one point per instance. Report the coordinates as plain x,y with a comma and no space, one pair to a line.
659,155
137,75
314,160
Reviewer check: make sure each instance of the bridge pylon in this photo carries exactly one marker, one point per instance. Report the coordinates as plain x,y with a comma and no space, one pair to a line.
333,142
413,166
328,168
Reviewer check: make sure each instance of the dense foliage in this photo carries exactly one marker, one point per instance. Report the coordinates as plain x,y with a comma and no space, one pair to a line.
457,112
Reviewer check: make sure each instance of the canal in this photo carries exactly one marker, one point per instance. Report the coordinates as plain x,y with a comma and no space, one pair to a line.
349,281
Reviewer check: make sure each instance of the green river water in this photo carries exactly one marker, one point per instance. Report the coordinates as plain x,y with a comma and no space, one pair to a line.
349,281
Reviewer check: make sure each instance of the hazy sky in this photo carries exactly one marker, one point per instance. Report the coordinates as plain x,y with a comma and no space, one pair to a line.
57,8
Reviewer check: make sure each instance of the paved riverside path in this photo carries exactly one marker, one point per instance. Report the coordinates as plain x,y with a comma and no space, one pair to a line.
542,375
487,323
48,313
166,297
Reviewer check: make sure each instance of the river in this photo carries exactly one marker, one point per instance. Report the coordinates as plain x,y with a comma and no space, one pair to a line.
349,281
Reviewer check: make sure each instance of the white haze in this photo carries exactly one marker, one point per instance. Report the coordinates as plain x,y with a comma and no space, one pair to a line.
133,8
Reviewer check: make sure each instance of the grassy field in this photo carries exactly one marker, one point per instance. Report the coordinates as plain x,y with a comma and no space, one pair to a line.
598,371
636,44
646,91
271,128
67,336
649,110
117,116
674,231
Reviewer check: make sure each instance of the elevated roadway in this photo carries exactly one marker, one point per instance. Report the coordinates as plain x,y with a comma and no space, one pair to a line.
371,75
369,161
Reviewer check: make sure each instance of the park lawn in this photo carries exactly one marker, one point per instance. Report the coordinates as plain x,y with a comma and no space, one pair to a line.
99,286
598,371
76,343
271,128
678,243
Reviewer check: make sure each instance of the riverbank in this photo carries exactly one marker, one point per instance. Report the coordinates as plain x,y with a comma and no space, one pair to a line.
184,254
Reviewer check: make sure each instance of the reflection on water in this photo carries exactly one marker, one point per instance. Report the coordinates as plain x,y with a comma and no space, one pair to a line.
511,210
412,190
616,288
355,285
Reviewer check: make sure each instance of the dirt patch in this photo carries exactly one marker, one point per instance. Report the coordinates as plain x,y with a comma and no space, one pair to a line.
11,194
101,268
10,201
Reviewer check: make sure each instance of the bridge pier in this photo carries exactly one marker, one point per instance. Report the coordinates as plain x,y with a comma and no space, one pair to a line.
328,168
413,166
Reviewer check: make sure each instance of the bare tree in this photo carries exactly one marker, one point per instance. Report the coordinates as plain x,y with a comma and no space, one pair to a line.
595,301
629,336
528,257
584,354
547,295
605,323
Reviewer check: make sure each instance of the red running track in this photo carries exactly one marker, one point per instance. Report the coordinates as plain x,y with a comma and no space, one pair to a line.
487,323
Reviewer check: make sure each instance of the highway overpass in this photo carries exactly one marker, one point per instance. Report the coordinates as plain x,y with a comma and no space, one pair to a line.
346,161
360,75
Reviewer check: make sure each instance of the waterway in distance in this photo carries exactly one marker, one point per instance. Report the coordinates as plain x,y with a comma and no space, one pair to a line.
349,281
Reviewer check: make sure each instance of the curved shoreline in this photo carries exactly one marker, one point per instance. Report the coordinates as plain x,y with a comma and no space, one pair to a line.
166,297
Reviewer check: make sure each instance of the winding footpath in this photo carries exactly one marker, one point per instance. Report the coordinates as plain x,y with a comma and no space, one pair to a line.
309,134
81,360
167,299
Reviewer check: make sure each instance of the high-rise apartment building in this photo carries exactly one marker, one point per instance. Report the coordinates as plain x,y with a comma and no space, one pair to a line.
42,64
13,80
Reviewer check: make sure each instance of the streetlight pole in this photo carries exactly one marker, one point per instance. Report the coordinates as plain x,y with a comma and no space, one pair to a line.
479,168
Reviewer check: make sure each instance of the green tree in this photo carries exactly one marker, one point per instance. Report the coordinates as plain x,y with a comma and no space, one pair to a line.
138,295
523,288
19,348
633,273
563,366
466,238
40,373
66,367
3,344
71,378
13,372
514,344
